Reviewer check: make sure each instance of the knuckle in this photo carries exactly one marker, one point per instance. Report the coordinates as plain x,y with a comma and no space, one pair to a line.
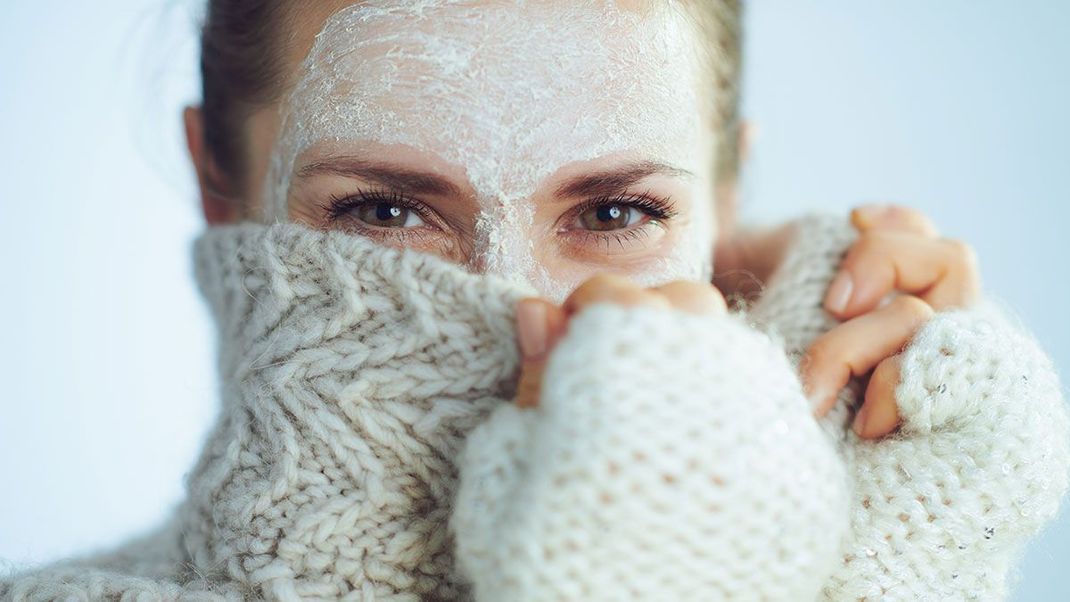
964,255
697,289
907,214
708,299
873,242
605,281
919,222
898,211
600,285
692,295
682,286
822,352
585,287
912,306
887,370
646,297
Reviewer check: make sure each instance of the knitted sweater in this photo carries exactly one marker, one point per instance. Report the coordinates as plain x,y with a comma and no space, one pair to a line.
367,448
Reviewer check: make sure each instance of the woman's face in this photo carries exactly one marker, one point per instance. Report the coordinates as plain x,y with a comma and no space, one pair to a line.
540,141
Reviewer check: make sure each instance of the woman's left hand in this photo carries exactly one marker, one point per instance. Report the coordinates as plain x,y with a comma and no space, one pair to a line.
898,249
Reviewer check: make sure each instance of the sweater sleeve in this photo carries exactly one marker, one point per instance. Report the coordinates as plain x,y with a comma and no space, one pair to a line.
978,466
671,457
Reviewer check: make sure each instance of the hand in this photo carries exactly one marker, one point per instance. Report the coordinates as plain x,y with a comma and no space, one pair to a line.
541,324
899,249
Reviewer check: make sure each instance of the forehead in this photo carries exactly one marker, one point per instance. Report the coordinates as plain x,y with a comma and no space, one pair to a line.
305,20
521,50
510,89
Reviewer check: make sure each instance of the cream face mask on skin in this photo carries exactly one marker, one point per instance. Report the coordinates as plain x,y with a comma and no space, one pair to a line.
509,91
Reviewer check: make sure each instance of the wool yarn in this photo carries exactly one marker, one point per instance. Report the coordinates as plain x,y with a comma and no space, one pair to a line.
366,448
942,508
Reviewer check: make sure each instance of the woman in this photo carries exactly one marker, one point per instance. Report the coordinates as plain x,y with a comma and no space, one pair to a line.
659,446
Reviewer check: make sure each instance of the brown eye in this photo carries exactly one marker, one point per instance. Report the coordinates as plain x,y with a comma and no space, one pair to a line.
387,215
609,217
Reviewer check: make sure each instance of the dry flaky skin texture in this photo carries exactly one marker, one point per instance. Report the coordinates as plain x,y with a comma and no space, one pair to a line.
512,91
352,376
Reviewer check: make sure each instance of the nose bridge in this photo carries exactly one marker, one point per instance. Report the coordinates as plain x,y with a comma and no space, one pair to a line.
477,260
502,243
504,247
503,253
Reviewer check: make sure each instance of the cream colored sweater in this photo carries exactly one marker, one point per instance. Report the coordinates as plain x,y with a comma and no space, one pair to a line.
366,448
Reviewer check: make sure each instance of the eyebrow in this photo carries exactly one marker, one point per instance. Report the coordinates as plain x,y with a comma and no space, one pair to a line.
603,183
385,174
615,181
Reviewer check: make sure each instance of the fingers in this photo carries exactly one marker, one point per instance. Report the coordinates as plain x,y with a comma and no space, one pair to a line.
942,272
694,297
856,346
539,325
893,217
899,250
879,414
609,288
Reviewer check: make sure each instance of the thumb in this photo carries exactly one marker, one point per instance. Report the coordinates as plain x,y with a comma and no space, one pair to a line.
539,325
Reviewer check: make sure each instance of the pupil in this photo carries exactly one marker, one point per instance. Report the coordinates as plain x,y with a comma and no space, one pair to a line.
385,212
609,213
606,217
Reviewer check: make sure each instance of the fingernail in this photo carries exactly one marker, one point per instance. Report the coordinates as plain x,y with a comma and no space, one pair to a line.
860,420
839,293
531,328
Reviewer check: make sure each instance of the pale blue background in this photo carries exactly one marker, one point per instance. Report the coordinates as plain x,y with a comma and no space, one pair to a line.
957,107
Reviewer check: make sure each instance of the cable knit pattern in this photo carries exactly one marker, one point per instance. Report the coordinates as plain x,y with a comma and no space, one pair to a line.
672,456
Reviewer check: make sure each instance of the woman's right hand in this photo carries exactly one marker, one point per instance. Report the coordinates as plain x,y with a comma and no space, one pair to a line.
658,433
541,324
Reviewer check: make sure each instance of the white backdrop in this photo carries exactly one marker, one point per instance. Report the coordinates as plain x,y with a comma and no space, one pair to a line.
957,107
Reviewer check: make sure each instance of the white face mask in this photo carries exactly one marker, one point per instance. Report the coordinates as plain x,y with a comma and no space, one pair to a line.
511,91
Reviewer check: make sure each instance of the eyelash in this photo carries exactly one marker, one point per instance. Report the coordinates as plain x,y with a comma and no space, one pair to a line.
338,206
656,206
660,209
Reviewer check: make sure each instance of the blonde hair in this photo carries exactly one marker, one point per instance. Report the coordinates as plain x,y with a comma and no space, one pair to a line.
242,68
719,24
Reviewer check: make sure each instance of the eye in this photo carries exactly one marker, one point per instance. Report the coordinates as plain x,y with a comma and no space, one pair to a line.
387,215
377,209
610,217
621,212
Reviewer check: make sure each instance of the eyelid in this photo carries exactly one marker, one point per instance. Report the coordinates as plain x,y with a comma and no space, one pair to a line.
338,205
659,208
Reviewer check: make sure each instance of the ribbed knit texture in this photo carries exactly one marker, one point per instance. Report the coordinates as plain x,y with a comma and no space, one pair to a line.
366,447
672,457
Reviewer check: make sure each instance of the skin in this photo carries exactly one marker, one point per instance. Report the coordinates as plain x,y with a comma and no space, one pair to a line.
514,205
567,245
898,250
